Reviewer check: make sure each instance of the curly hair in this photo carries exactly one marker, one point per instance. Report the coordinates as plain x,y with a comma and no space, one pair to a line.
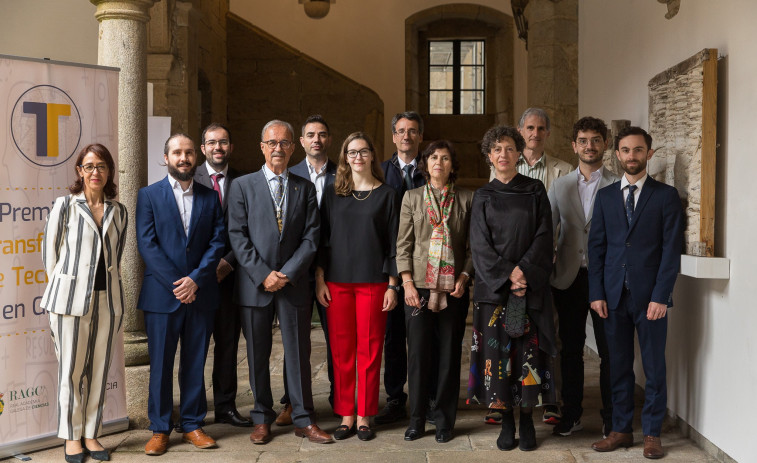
588,123
430,149
110,189
496,134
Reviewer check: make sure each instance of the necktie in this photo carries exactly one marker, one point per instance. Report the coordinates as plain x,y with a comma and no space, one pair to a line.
217,186
629,203
408,177
279,200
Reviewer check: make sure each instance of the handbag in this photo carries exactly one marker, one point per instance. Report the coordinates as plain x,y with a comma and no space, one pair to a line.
515,316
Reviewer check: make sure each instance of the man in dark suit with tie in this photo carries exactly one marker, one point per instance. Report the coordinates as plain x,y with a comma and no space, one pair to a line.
402,174
634,257
572,199
180,235
215,173
274,228
321,171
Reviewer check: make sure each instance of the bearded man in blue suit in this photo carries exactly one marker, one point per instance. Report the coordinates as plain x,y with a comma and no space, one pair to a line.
634,257
180,235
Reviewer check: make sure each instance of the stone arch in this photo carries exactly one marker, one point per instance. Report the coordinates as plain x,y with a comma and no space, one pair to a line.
462,21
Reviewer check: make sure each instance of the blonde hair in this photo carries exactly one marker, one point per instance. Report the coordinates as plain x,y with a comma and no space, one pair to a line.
343,184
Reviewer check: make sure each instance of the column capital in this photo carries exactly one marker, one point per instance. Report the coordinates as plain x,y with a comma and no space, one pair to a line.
136,10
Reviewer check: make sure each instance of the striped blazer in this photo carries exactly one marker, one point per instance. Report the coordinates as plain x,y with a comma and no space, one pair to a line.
71,253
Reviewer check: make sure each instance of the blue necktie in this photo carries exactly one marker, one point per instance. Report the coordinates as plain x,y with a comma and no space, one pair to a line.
629,203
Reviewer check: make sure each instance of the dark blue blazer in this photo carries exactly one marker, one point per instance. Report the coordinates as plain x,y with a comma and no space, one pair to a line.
170,254
393,175
301,170
648,250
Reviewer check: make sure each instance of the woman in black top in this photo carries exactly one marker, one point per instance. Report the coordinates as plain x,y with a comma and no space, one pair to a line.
356,260
513,330
84,239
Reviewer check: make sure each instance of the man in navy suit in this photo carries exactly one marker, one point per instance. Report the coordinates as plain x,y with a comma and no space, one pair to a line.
274,228
321,171
634,257
180,235
216,173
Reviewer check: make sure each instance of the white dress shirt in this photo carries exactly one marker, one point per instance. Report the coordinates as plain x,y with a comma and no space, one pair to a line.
588,189
318,178
221,181
184,200
273,185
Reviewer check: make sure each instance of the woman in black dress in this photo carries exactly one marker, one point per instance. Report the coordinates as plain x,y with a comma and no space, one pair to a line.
356,279
513,330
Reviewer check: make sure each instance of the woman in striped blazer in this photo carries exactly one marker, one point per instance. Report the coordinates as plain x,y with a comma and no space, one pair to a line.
84,241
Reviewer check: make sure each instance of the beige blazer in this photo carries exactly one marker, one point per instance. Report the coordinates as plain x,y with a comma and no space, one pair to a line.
415,234
554,169
71,253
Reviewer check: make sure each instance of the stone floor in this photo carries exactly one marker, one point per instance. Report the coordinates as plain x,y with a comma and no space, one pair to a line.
473,439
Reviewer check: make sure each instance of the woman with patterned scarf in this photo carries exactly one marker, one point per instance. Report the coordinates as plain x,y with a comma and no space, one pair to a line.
434,263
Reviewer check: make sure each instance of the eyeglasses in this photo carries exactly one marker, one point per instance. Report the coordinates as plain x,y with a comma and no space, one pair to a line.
411,132
421,306
212,143
89,168
352,154
285,144
586,141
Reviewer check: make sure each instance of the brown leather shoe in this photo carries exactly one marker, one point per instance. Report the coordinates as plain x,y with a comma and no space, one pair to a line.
157,444
285,417
200,439
613,441
261,434
653,447
314,434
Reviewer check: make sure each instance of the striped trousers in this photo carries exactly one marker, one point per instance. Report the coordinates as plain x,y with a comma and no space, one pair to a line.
83,346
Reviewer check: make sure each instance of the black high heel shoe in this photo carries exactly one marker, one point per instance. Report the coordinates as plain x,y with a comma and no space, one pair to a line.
102,455
76,458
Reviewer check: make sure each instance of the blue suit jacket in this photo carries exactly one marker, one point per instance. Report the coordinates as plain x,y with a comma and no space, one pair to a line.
648,250
393,175
170,254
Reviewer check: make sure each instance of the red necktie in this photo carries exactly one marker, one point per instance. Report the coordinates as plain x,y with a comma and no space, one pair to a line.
217,186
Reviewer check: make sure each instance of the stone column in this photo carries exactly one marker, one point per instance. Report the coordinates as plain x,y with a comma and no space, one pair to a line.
122,44
553,68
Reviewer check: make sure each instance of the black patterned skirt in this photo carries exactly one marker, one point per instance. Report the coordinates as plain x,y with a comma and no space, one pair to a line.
507,372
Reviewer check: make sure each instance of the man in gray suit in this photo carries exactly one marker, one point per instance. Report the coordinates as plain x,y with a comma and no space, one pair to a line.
216,174
572,200
274,228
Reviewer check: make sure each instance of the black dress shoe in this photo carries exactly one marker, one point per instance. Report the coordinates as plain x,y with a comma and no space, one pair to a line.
443,435
412,434
343,431
76,458
233,418
393,411
365,433
101,455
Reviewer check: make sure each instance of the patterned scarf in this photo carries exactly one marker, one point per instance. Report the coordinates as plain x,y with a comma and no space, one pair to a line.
440,270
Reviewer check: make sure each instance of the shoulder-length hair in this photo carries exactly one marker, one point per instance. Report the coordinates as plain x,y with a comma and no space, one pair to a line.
431,149
343,184
110,189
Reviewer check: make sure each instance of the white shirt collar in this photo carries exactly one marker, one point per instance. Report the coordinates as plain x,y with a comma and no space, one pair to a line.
639,183
413,163
593,177
269,175
175,184
212,171
311,169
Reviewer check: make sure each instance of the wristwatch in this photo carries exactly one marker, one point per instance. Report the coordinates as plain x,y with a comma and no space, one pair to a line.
394,287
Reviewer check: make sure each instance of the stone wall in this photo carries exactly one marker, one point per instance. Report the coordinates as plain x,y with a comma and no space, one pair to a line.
268,80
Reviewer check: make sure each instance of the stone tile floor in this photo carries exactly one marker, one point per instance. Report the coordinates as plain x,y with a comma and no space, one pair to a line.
473,439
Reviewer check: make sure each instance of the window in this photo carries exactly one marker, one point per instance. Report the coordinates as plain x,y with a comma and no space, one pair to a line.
456,76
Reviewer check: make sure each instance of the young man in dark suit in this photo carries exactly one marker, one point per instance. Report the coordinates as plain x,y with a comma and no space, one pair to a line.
634,257
216,174
274,229
180,236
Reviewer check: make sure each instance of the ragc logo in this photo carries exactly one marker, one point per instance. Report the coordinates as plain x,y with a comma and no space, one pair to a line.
46,125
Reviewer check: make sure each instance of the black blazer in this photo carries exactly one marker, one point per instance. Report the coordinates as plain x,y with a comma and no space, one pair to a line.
202,177
301,169
258,246
393,175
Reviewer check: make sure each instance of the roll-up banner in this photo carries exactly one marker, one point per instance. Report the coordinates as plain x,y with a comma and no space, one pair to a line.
48,112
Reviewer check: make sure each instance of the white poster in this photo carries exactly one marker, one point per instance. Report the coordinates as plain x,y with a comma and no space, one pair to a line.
48,112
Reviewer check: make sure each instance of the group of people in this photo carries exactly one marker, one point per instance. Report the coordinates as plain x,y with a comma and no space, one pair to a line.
387,253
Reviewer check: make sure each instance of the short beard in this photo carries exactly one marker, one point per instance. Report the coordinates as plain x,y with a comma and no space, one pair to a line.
180,176
634,170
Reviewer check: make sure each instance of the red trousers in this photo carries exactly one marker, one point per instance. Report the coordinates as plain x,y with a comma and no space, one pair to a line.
356,329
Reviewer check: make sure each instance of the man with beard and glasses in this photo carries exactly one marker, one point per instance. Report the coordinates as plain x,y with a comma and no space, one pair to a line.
215,173
572,197
274,228
180,236
635,246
